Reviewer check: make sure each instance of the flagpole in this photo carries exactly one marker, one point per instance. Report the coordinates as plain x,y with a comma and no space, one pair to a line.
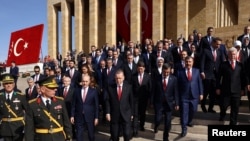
41,53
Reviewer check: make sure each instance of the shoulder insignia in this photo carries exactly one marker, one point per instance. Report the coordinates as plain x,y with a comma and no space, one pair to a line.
32,100
58,97
1,93
20,93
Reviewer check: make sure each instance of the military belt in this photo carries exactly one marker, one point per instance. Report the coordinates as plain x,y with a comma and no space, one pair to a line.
12,119
50,131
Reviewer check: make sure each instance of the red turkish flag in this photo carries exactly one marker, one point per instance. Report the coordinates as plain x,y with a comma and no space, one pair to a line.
123,19
146,19
25,45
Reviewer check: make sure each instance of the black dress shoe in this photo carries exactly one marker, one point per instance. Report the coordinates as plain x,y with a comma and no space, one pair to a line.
135,133
184,133
203,108
142,129
190,125
211,111
156,130
221,119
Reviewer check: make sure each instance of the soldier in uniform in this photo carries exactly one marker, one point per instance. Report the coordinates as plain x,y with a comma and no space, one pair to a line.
47,116
12,107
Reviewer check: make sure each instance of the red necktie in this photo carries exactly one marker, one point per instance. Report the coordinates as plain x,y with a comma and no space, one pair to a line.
232,64
119,92
189,75
84,94
30,91
215,55
65,92
164,84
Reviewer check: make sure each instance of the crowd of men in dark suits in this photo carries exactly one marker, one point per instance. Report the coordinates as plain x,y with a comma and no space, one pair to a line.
123,80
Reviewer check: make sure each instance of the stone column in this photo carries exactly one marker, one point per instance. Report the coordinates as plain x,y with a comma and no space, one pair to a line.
135,20
222,14
182,18
79,25
111,22
52,30
211,12
66,38
243,14
93,24
157,20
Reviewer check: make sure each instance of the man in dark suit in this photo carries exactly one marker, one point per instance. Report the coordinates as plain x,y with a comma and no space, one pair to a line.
73,74
211,58
67,92
12,110
14,71
119,107
37,76
47,117
117,62
31,91
149,59
165,99
129,68
206,40
85,109
245,34
231,83
190,92
141,91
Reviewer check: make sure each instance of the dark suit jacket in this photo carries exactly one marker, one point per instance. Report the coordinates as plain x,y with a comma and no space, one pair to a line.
185,86
208,65
14,71
124,107
150,62
33,95
89,107
142,92
204,44
41,76
108,79
128,72
170,96
68,98
74,78
231,81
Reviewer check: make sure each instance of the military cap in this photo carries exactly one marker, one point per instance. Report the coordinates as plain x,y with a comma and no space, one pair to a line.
48,82
7,78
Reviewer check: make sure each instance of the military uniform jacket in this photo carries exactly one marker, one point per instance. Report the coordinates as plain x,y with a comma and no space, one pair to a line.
37,119
17,105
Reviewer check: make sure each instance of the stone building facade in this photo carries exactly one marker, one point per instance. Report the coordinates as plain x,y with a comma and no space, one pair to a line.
78,24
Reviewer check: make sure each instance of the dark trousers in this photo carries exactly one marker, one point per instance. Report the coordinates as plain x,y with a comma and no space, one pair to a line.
167,112
14,138
209,90
234,103
81,125
135,116
126,127
142,106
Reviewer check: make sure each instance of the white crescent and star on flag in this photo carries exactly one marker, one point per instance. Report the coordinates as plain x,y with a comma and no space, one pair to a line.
127,9
14,45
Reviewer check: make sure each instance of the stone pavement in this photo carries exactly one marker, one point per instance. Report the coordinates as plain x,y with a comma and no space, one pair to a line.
196,133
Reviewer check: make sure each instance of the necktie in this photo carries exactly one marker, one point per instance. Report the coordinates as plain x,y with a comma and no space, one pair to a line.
8,98
232,64
48,105
84,94
158,54
65,92
164,84
30,91
71,73
189,75
140,80
214,54
36,79
108,71
119,92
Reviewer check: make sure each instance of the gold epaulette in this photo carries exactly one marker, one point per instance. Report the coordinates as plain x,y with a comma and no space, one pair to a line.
20,93
32,100
58,97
